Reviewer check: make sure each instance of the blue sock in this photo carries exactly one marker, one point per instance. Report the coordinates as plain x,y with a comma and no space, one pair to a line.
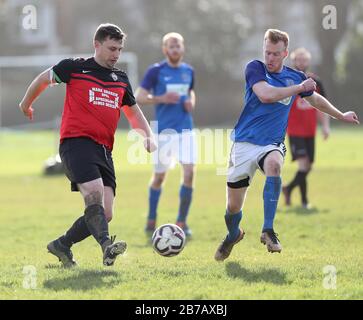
154,195
232,223
271,193
185,195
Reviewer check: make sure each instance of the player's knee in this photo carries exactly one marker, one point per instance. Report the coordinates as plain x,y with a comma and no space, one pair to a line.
108,211
94,197
108,216
157,181
234,207
188,177
273,168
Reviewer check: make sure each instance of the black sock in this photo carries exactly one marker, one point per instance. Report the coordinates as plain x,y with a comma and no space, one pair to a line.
296,181
303,187
96,222
76,233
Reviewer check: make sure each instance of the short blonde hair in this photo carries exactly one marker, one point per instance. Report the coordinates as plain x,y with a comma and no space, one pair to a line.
275,36
300,51
172,35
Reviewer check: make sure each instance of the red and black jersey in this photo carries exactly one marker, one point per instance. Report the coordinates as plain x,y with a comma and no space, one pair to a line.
94,97
303,116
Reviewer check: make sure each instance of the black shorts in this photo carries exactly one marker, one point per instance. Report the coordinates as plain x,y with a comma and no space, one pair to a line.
302,147
85,160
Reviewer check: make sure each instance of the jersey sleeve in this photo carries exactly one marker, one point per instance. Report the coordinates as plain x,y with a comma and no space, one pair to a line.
62,71
150,78
255,72
303,78
128,98
320,88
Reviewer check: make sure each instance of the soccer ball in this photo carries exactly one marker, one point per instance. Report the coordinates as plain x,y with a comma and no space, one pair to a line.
168,240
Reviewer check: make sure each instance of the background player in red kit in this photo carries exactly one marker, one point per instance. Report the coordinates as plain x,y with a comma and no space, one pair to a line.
96,92
302,129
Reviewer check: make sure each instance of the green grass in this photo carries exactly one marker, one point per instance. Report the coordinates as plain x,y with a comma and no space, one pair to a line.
35,209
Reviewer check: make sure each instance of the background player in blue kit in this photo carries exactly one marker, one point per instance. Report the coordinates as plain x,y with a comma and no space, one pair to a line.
169,86
259,134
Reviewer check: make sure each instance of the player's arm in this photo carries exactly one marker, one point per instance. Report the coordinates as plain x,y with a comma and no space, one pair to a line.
324,120
270,94
144,97
138,122
38,85
189,104
322,104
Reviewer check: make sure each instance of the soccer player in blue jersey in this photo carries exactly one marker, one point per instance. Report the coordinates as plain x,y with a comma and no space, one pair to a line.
169,85
259,136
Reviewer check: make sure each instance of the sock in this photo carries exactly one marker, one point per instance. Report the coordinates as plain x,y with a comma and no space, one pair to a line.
271,193
76,233
296,181
232,223
154,195
185,196
96,222
303,187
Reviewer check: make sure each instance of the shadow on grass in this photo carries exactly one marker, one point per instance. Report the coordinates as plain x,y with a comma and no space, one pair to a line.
234,270
303,211
84,280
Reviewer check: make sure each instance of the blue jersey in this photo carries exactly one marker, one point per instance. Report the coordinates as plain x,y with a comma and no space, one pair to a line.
265,123
161,78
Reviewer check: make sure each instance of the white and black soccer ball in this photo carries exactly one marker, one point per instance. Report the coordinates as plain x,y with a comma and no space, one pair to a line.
168,240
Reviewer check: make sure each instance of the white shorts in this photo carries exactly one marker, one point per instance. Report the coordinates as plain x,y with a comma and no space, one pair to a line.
175,146
244,160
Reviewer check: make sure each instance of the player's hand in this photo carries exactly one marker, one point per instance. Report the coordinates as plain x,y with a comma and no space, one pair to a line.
350,117
28,111
150,145
188,105
326,132
308,85
171,98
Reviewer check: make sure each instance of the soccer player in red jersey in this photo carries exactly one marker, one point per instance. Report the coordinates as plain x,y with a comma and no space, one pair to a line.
96,93
302,129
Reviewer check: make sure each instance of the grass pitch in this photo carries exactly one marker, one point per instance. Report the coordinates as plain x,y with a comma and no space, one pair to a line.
322,249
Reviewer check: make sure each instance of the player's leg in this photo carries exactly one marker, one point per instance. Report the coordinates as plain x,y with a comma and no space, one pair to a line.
241,169
109,197
236,196
185,197
77,156
93,196
305,166
162,161
235,200
111,249
76,233
185,150
299,152
79,230
272,165
84,226
155,190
